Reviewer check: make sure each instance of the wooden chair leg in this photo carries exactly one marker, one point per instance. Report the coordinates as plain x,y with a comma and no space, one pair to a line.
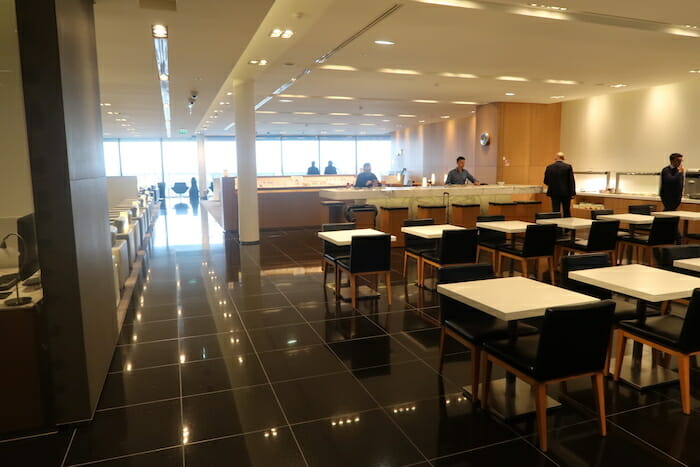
443,335
664,307
523,266
684,376
338,277
541,410
551,263
488,365
499,263
598,381
611,342
405,265
353,290
387,281
325,270
619,354
476,373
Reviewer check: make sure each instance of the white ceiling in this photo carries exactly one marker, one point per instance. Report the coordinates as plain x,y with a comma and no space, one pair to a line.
211,42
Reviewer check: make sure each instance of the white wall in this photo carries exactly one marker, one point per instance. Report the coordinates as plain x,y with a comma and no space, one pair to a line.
634,130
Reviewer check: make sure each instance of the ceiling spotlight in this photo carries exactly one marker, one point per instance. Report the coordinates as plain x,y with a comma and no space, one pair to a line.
373,115
458,75
338,67
259,62
547,7
159,31
339,98
304,113
511,78
399,71
691,71
285,100
107,104
406,115
380,42
386,120
560,81
510,94
163,77
444,116
292,96
618,85
557,97
229,93
425,101
338,113
464,102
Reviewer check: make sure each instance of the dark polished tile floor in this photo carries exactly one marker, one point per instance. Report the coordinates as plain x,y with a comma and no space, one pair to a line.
240,356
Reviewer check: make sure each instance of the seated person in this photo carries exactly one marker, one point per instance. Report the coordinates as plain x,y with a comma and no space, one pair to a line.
330,169
313,170
366,178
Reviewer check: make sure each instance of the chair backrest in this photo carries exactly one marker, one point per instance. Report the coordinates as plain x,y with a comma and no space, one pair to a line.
663,230
418,243
547,215
491,236
335,250
179,187
370,253
450,308
458,246
666,255
580,263
603,235
539,240
689,340
600,212
352,210
644,209
574,340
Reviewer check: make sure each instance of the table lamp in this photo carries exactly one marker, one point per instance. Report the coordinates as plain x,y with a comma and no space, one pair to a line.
18,301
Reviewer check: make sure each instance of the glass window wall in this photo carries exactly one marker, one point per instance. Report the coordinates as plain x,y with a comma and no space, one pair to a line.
298,153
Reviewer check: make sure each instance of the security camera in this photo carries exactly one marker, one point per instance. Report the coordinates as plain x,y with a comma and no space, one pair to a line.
193,95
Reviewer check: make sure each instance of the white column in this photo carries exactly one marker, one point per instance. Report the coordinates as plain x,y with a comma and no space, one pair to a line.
248,221
202,162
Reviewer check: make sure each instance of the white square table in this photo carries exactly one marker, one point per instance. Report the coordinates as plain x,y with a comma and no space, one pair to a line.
571,223
344,237
430,231
505,226
631,219
511,299
686,217
691,264
646,284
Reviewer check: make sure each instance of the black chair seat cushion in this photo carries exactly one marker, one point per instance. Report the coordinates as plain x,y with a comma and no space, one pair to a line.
638,239
490,244
433,256
627,311
513,250
478,327
419,251
520,353
665,329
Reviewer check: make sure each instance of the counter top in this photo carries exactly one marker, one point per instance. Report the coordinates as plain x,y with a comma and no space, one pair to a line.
425,192
633,196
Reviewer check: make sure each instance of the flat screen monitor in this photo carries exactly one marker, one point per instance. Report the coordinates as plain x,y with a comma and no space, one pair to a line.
29,254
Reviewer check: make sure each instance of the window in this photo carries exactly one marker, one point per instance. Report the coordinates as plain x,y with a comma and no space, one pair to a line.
142,159
180,162
340,150
298,153
220,156
112,163
268,156
377,152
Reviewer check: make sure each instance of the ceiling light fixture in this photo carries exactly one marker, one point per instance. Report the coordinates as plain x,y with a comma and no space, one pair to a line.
691,71
285,100
548,7
339,98
338,113
107,104
281,33
456,3
510,94
399,71
511,78
421,121
373,115
425,101
368,124
386,120
265,112
293,96
561,81
458,75
230,93
406,115
618,85
304,113
338,67
259,62
464,102
160,41
444,116
279,123
557,97
381,42
338,123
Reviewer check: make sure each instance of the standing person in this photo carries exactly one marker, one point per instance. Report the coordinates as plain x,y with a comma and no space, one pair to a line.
459,175
194,189
330,169
672,180
313,170
561,187
366,178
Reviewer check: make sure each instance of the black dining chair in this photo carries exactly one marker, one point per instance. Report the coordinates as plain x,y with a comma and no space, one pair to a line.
490,240
663,233
414,246
369,255
644,210
455,247
562,236
671,334
600,212
469,326
666,255
331,252
572,344
538,244
363,215
601,238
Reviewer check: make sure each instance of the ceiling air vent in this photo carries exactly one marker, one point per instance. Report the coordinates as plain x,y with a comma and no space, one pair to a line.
169,5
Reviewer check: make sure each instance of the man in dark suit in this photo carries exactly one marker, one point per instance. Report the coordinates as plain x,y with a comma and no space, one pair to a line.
672,178
561,187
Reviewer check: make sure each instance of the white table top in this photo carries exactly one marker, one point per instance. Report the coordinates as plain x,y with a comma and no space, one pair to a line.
429,231
512,298
568,222
692,264
344,237
684,215
639,281
628,218
505,226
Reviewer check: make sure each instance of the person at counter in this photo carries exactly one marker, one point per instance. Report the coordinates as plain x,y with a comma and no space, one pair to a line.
330,169
459,175
561,186
366,178
313,170
672,179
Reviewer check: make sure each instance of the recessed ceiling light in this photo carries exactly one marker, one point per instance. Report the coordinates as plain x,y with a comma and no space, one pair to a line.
510,94
511,78
338,113
458,75
340,98
425,101
293,96
464,102
338,67
281,33
373,115
548,7
339,130
421,121
557,97
285,100
406,115
381,42
159,31
229,93
399,71
163,77
280,123
560,81
691,71
368,124
304,113
265,112
259,62
107,104
336,123
110,113
386,120
444,116
618,85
